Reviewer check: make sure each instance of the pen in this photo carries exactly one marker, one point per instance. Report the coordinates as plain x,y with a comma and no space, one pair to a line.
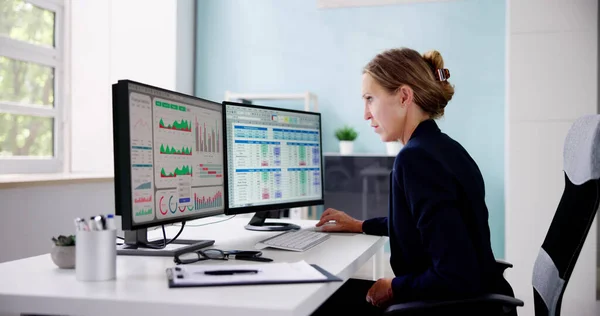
92,224
77,226
99,222
80,224
110,222
103,220
229,272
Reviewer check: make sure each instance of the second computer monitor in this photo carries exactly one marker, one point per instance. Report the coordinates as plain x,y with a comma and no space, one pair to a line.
273,161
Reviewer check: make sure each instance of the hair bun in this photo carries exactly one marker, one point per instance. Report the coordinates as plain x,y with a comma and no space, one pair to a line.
434,59
436,63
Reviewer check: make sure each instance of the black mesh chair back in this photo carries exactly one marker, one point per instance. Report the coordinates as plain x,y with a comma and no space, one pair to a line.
573,218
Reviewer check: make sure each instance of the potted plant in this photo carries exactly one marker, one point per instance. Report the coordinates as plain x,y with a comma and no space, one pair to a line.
63,251
346,135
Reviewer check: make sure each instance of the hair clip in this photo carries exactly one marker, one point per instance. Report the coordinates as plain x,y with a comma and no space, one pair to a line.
442,74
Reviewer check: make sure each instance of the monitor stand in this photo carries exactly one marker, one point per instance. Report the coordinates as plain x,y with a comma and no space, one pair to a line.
257,222
136,241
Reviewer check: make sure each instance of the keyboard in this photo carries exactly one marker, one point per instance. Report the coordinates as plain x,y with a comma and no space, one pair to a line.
296,240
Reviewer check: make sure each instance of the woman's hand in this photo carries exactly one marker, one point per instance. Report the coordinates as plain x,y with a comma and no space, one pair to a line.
381,294
342,222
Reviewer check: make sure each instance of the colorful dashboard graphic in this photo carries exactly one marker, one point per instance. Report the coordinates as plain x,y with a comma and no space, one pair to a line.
176,157
203,199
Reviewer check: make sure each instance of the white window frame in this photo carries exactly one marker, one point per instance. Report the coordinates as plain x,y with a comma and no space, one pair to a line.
46,56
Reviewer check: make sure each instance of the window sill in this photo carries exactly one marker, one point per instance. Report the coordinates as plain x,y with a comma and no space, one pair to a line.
27,180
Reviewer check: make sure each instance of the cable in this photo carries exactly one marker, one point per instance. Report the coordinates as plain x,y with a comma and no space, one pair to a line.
164,237
164,244
219,221
121,238
179,233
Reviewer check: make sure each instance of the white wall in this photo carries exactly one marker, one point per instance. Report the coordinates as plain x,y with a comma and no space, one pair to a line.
150,41
552,79
31,216
144,41
90,89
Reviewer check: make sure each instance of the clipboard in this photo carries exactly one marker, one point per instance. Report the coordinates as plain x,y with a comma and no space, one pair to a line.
193,275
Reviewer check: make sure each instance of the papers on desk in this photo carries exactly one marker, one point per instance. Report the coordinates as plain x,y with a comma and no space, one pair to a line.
244,274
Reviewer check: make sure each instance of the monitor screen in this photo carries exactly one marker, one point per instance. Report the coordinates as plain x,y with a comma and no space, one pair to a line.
168,155
273,158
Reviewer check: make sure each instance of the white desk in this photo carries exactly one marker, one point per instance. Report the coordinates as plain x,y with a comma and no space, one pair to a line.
36,285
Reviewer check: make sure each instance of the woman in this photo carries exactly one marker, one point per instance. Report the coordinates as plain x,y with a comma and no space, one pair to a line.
438,220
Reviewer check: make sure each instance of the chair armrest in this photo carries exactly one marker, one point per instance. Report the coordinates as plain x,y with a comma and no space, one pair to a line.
432,306
503,264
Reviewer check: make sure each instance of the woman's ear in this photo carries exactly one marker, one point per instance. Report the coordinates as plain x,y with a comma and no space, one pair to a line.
404,95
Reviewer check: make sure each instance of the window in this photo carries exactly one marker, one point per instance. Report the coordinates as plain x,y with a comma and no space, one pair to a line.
32,85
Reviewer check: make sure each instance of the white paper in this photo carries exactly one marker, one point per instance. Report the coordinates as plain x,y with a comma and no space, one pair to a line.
268,272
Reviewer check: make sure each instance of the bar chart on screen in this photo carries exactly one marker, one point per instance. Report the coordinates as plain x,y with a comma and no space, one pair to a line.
207,136
207,199
207,148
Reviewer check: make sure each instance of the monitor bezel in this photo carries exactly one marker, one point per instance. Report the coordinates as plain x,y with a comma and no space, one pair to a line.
122,157
267,207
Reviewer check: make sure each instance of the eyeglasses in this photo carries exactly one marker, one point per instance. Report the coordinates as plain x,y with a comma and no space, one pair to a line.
214,254
199,255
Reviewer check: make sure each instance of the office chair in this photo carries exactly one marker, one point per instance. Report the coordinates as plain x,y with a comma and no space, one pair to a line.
574,216
565,237
506,305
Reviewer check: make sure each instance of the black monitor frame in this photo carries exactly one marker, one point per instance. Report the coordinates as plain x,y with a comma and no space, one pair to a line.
261,209
122,158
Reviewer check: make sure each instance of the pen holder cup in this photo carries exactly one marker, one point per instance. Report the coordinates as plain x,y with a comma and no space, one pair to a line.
95,255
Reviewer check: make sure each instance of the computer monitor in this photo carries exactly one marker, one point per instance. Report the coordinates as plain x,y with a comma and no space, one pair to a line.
273,159
168,159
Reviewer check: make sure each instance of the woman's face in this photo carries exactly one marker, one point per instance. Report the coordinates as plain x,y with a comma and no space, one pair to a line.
383,109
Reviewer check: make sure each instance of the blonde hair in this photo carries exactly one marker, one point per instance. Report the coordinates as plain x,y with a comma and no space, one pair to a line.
404,66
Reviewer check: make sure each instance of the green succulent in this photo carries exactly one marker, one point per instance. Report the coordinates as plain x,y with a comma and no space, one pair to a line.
346,133
64,241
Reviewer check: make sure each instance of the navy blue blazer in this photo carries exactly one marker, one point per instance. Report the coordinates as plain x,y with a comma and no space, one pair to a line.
438,222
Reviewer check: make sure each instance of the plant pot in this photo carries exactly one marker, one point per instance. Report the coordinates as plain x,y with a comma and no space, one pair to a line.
346,147
63,257
393,148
